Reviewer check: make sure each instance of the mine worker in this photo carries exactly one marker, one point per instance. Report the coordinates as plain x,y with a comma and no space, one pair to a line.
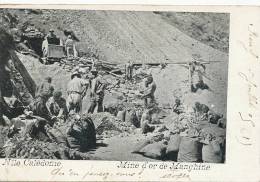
129,70
45,87
76,90
39,108
83,70
56,105
201,111
52,38
96,92
148,93
199,68
14,106
178,107
70,46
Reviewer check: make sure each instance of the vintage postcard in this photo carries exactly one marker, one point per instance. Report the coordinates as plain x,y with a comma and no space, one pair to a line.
129,93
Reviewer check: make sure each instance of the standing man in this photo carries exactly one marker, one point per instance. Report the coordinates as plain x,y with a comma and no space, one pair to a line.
76,90
199,68
129,70
45,87
96,93
148,93
70,47
52,38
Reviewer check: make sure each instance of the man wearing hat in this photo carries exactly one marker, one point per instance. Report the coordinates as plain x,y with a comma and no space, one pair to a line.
70,47
96,92
76,90
52,38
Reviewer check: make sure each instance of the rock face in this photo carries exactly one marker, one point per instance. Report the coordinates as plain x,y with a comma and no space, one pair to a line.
23,81
14,78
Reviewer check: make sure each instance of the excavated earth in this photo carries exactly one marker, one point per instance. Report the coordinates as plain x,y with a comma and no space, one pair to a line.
121,36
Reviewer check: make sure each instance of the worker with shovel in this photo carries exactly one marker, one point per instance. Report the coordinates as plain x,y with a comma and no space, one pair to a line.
76,90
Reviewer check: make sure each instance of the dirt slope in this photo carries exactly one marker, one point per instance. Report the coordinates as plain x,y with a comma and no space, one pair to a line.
209,28
139,36
119,36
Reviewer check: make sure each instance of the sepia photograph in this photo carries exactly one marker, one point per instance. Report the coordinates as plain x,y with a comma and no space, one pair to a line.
113,85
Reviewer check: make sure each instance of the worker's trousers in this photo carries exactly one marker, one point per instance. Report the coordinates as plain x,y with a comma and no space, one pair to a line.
74,102
149,100
96,103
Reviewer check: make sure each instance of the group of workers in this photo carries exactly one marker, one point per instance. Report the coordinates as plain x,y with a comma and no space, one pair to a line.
77,88
49,103
53,39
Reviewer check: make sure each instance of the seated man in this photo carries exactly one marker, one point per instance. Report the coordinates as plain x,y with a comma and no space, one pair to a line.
38,107
15,107
56,105
178,107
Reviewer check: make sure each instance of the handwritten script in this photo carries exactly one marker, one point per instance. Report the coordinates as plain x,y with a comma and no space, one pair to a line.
247,119
134,170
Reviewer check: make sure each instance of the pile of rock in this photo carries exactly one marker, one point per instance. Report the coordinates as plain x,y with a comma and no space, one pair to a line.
65,140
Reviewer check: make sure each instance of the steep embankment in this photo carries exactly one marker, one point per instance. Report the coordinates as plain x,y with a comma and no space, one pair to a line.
209,28
119,36
138,36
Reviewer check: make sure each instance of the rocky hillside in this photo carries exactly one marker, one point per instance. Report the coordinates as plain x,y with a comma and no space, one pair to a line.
119,36
210,28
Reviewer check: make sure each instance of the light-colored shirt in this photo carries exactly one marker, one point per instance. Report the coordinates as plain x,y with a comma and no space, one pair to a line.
57,108
69,43
77,85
